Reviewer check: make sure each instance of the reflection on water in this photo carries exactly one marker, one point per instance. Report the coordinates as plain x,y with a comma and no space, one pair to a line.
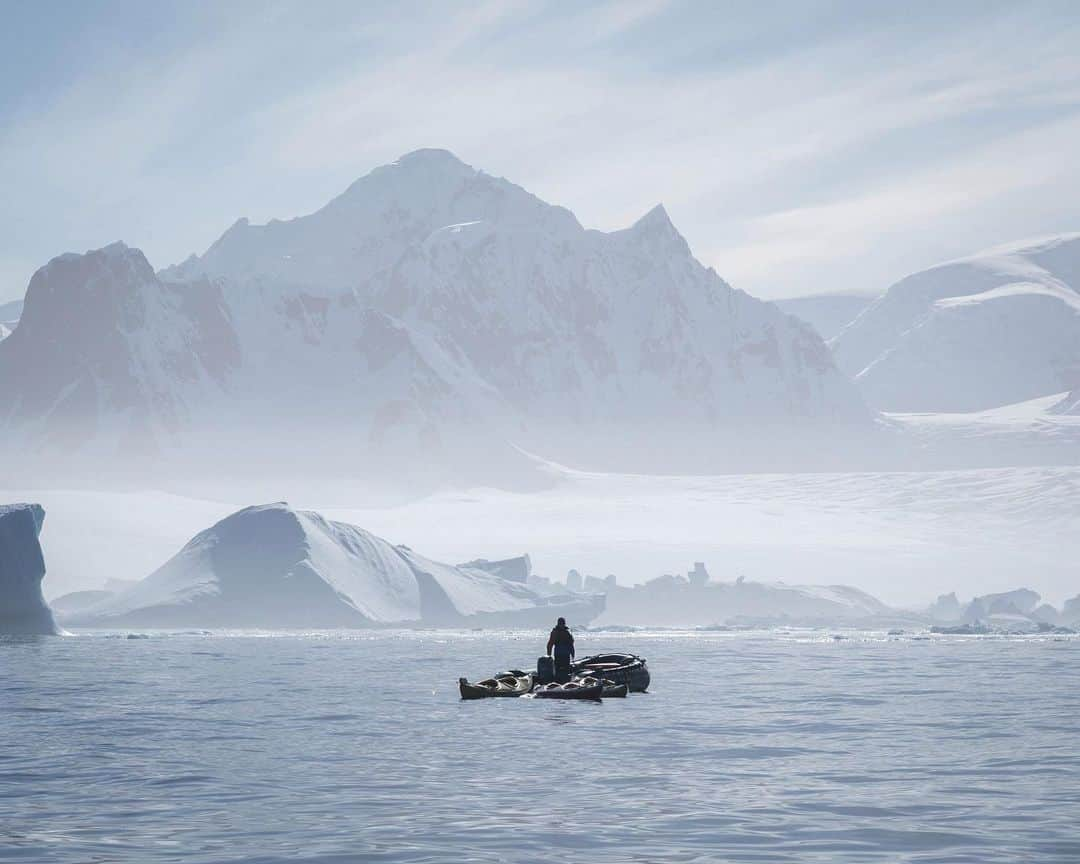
780,747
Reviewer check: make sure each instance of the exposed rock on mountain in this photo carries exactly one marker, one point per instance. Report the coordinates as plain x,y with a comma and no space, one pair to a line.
272,566
23,610
110,358
997,328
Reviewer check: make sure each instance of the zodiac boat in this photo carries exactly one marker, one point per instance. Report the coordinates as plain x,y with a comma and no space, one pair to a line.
628,669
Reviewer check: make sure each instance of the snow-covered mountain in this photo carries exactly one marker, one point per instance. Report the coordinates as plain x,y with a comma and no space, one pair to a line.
273,566
107,356
997,328
429,307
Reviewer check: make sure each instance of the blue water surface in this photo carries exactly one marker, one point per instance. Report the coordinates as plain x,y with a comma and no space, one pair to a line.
338,747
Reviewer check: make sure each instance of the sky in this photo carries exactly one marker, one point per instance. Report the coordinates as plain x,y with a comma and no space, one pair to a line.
800,147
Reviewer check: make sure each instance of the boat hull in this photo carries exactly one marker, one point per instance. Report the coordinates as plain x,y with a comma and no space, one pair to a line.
569,691
501,686
628,669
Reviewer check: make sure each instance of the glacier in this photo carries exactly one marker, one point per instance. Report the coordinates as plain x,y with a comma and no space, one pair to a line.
23,610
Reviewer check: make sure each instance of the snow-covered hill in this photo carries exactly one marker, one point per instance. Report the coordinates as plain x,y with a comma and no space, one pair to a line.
273,566
429,308
997,328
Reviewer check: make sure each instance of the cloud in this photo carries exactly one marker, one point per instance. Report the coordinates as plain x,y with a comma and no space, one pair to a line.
780,161
1033,165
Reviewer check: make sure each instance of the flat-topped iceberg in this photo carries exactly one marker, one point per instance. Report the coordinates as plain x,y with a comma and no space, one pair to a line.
23,609
272,566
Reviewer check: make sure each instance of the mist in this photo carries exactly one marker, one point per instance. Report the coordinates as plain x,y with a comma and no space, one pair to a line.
712,373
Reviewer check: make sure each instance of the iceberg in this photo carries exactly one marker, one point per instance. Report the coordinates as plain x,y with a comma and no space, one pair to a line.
680,601
23,610
271,566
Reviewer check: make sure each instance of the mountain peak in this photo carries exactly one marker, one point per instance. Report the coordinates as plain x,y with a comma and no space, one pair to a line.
429,157
72,266
655,218
657,223
429,154
656,229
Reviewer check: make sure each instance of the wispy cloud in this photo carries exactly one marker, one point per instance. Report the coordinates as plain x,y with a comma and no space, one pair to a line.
839,155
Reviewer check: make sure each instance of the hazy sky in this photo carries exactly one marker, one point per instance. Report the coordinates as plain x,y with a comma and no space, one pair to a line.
800,146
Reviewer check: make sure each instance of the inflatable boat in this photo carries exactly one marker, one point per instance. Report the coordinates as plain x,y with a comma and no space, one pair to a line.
628,669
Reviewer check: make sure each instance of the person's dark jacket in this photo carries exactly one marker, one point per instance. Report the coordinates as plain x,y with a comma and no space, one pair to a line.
562,640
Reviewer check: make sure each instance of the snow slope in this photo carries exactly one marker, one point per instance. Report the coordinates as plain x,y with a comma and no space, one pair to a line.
430,308
273,566
1070,404
997,328
23,610
1038,431
828,314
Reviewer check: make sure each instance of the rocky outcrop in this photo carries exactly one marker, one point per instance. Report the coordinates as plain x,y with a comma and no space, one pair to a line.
23,610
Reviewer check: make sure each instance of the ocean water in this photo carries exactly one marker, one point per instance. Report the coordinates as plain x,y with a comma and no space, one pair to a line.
764,747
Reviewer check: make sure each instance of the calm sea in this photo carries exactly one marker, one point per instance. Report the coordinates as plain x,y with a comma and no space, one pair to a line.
765,747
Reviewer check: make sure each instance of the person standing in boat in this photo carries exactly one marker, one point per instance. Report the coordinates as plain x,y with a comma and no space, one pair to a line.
561,641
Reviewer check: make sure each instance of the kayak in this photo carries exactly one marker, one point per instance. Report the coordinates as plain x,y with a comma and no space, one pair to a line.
584,688
628,669
512,683
615,691
611,689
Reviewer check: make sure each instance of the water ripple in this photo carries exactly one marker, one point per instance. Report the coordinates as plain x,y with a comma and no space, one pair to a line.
331,748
